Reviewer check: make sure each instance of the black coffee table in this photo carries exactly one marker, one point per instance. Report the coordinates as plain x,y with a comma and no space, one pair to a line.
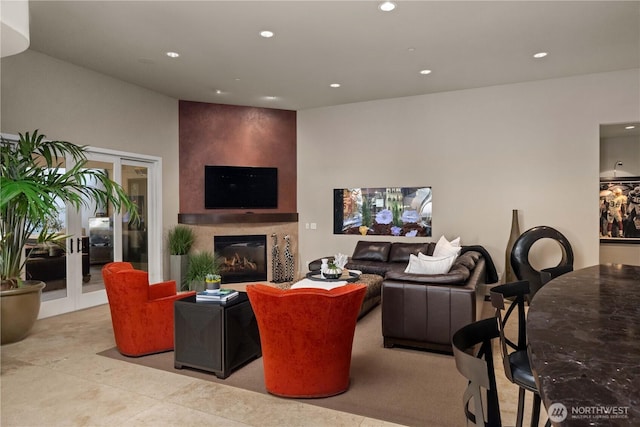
215,337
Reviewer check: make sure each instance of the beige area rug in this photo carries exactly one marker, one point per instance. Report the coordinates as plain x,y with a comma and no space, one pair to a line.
403,386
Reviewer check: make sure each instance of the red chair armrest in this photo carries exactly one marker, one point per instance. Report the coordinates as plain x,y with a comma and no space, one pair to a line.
169,299
162,289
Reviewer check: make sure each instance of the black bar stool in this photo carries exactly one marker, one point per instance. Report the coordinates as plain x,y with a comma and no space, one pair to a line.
514,354
478,368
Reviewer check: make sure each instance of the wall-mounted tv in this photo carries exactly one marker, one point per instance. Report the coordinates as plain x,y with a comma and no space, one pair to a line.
240,187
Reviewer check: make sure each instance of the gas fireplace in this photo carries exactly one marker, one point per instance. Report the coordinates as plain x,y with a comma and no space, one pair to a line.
243,258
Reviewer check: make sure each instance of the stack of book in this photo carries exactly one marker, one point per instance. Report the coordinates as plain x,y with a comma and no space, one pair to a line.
216,295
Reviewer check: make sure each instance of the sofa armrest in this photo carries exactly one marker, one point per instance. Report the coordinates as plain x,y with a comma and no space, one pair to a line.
162,289
462,270
451,278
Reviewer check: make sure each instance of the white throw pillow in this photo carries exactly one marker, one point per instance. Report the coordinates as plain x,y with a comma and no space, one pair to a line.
425,264
446,248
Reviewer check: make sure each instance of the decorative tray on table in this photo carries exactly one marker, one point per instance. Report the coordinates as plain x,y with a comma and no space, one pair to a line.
349,277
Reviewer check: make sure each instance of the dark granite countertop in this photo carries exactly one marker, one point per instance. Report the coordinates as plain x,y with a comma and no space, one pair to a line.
583,331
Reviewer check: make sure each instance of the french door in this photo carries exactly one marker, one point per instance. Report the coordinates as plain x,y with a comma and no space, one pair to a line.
99,235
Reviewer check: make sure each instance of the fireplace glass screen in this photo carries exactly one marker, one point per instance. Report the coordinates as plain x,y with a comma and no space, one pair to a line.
243,258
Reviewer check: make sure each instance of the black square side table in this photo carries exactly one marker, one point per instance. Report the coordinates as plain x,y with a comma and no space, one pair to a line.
215,337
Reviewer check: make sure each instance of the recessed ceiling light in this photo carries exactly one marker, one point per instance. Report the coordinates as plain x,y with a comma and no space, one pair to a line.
630,127
335,85
387,6
172,54
266,34
270,98
540,55
218,92
425,72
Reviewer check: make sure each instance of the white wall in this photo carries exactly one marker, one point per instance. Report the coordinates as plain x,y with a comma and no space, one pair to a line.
75,104
532,147
623,148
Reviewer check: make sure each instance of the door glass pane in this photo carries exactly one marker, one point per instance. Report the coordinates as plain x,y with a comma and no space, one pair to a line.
97,234
47,261
134,236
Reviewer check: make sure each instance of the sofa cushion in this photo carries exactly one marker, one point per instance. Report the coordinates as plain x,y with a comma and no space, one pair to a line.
425,264
446,248
468,259
400,251
371,251
370,267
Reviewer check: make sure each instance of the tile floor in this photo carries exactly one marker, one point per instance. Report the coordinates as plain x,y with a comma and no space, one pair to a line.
55,378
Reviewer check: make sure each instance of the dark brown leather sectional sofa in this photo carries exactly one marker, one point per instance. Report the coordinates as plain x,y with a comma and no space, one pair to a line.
425,311
421,310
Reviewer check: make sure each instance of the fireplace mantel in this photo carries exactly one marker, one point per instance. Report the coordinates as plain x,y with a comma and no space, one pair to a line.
236,218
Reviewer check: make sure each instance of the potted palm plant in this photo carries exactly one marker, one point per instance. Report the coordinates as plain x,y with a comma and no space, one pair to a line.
33,181
179,240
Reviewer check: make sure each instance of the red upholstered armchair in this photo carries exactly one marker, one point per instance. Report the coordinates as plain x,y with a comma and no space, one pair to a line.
306,337
141,314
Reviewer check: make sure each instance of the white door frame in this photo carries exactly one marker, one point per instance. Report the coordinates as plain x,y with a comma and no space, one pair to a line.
75,299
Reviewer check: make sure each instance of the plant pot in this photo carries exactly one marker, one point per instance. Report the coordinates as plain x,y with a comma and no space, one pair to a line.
214,284
178,269
197,285
332,273
19,310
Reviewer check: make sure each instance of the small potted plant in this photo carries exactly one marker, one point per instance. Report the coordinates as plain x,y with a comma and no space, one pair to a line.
212,281
332,271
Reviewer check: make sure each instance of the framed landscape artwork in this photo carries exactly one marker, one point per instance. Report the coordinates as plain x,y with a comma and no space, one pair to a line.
393,211
620,210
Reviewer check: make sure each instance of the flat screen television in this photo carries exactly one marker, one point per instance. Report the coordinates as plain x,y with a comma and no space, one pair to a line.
240,187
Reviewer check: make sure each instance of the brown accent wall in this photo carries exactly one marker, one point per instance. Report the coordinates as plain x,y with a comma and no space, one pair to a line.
216,134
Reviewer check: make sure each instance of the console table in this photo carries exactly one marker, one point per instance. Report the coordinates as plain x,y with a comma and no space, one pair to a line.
583,331
215,337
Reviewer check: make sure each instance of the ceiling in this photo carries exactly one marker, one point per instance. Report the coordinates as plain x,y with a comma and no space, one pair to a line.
371,54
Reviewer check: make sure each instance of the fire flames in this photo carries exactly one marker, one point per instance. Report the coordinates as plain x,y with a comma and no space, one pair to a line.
238,263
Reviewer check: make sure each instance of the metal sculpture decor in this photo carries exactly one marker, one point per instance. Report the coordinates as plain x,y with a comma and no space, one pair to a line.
288,260
276,263
399,211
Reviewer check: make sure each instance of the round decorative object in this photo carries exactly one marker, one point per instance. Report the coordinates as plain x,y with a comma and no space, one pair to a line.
350,277
332,273
520,254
